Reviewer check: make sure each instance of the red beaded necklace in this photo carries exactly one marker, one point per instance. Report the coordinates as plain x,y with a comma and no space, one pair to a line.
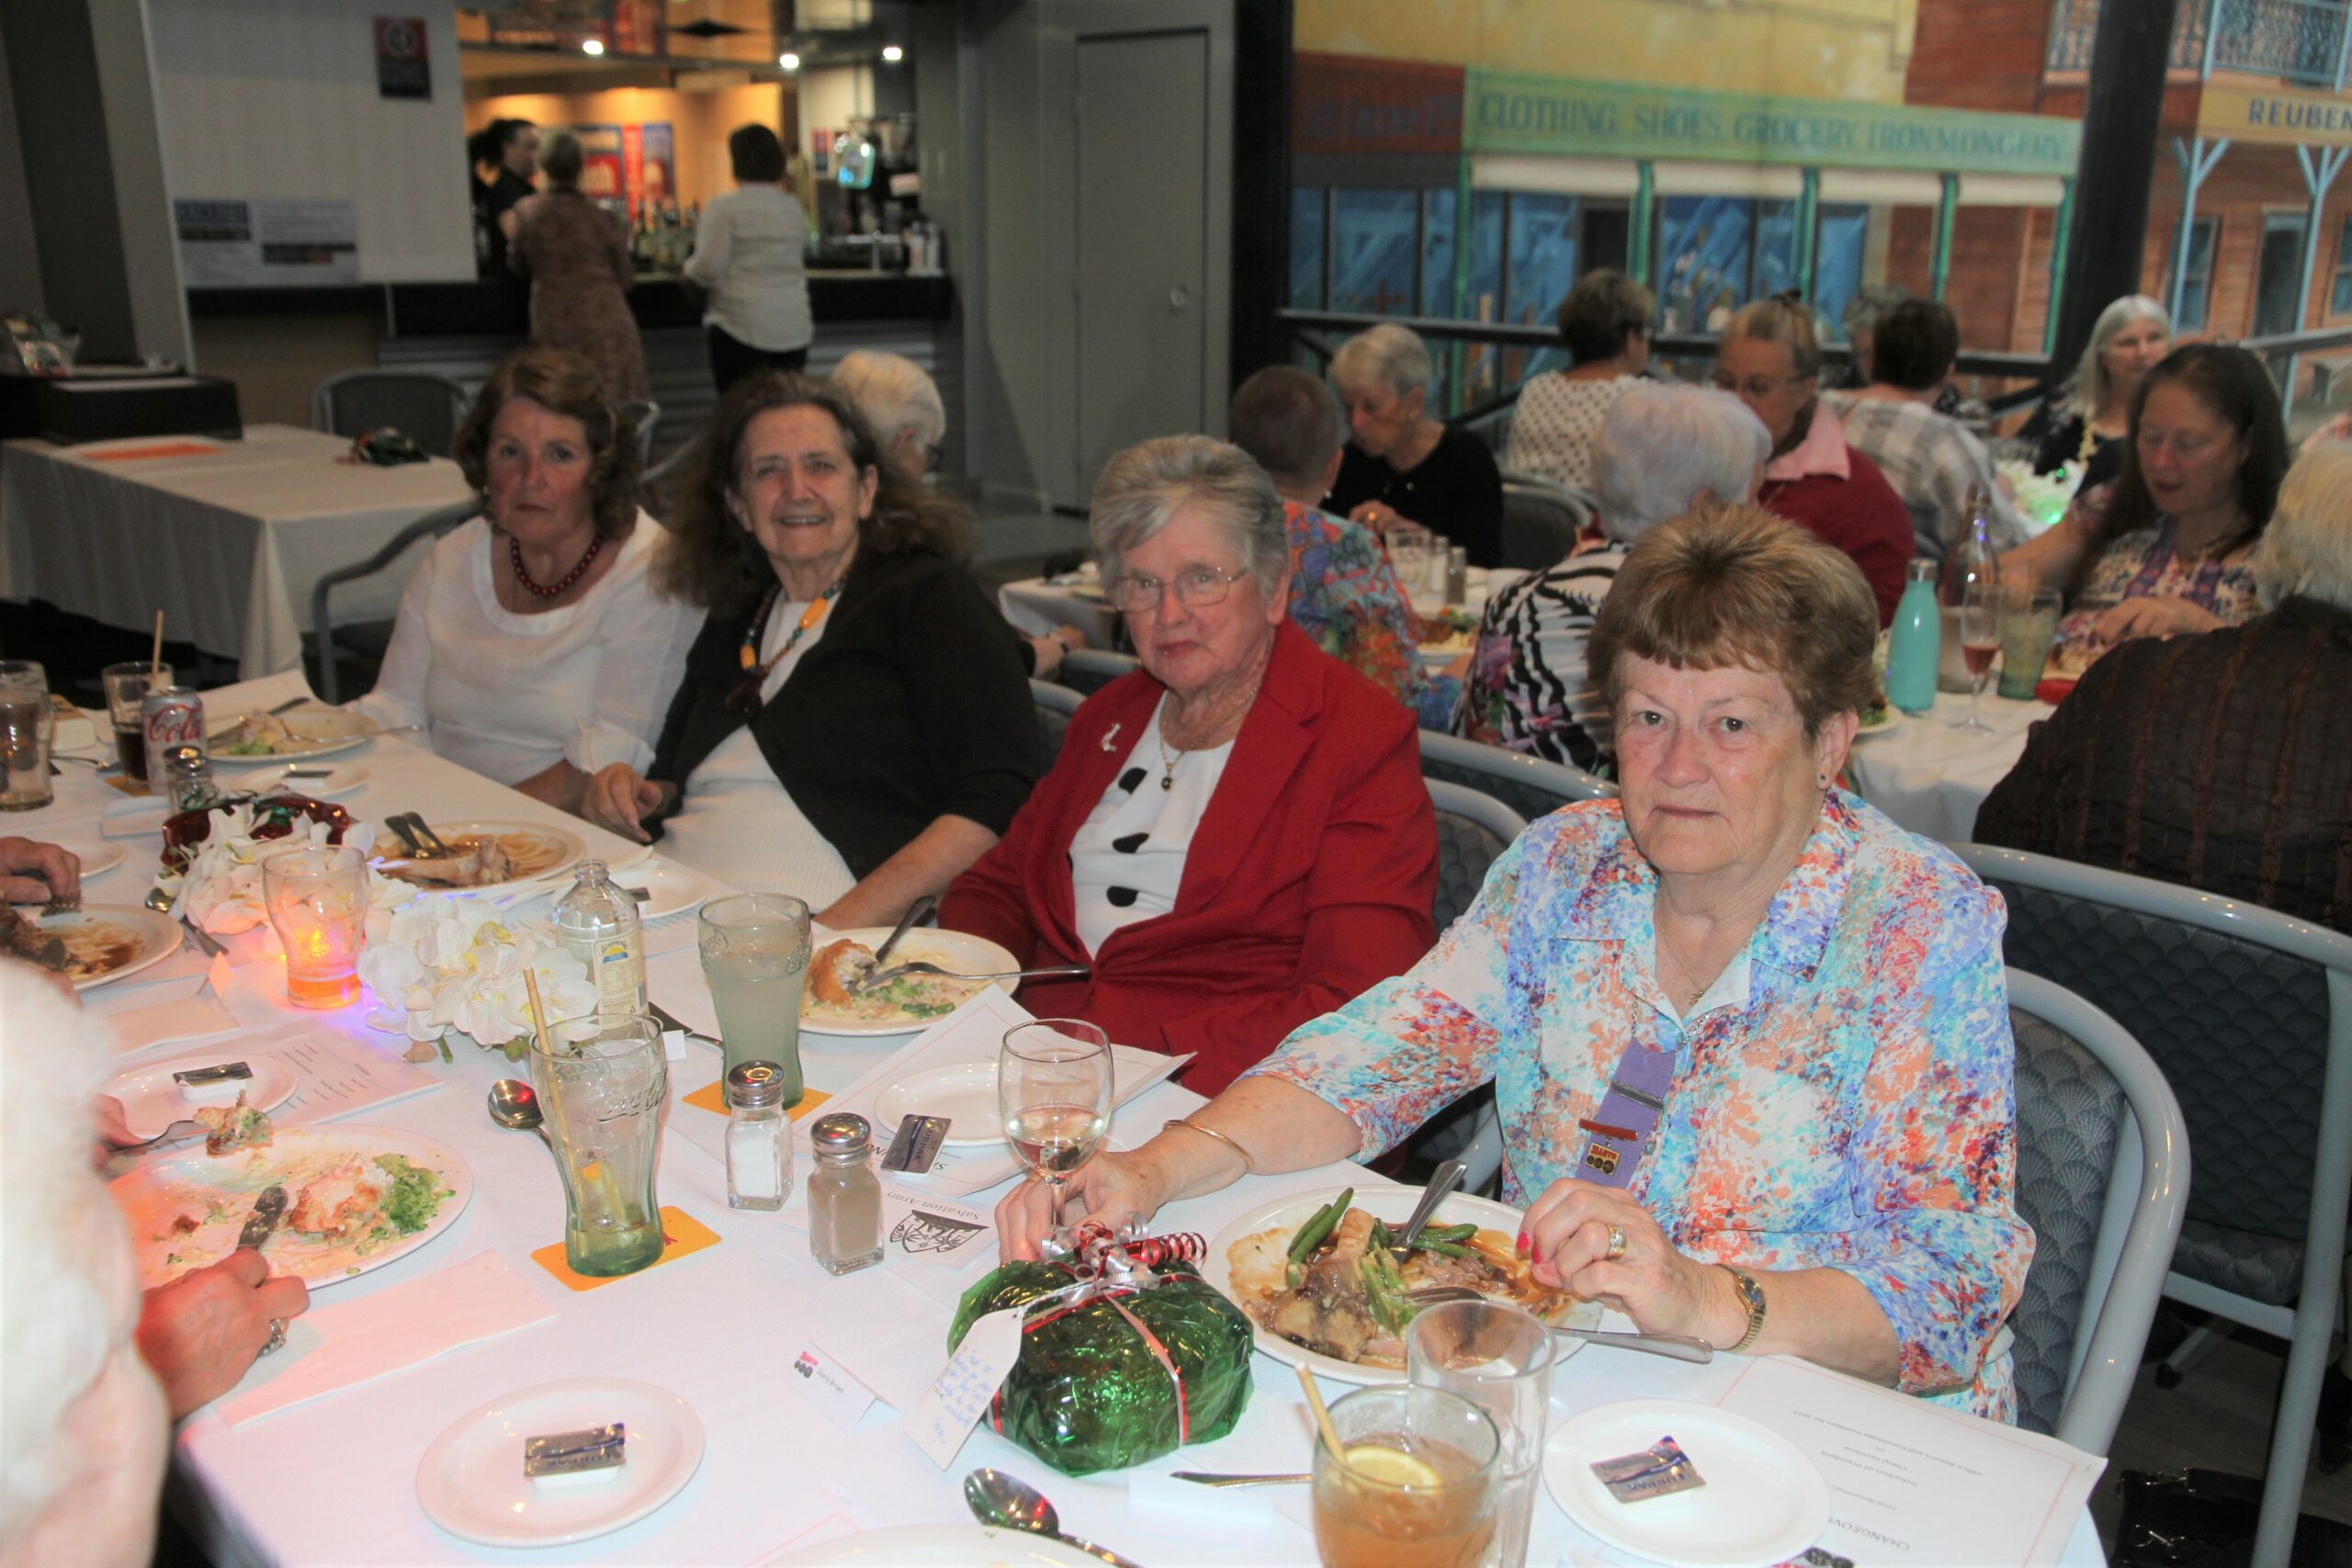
515,554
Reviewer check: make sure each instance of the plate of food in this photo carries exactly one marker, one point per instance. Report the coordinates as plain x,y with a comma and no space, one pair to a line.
1447,633
93,944
357,1198
1879,720
258,737
488,854
153,1101
908,1003
1340,1314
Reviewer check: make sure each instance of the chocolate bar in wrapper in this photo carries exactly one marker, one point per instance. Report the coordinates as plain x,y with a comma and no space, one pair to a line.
1656,1471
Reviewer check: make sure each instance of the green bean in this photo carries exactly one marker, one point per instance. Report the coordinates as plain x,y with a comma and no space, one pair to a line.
1448,1233
1381,1234
1319,1226
1446,1249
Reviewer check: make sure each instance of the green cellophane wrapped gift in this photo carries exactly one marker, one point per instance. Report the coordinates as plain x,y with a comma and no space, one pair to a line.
1091,1392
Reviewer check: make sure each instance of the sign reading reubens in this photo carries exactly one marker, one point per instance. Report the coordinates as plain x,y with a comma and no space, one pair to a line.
401,69
231,243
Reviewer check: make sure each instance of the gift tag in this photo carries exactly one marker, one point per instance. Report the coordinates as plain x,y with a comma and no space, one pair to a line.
824,1383
932,1229
943,1417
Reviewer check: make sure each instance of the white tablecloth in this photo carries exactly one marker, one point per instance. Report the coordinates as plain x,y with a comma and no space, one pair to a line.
333,1481
1037,606
227,545
1932,778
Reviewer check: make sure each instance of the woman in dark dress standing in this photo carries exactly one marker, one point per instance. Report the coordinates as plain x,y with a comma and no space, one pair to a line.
1401,466
576,255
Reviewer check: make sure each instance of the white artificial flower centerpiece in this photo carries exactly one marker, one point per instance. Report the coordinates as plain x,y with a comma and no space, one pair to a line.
218,884
451,963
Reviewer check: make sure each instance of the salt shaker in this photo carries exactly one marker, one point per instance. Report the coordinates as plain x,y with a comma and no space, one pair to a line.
845,1195
1457,576
759,1142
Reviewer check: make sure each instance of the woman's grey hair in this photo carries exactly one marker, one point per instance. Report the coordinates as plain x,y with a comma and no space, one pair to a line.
2089,383
894,393
2307,549
1149,482
1388,356
1662,443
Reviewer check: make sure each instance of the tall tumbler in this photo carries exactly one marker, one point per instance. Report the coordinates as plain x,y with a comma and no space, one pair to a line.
755,955
1500,1357
26,727
603,1082
316,896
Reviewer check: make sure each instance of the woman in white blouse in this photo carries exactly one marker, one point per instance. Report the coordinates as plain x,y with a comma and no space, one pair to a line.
1605,323
748,253
531,644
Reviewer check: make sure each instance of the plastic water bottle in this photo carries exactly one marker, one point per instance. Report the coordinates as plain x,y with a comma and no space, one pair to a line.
1914,644
597,924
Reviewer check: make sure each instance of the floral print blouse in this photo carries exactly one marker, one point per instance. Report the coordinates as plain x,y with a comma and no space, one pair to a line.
1346,598
1853,1110
2142,565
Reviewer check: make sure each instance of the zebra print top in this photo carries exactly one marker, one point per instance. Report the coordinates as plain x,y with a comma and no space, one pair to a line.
1529,690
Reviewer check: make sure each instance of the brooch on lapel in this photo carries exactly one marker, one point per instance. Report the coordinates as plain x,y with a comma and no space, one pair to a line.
1110,735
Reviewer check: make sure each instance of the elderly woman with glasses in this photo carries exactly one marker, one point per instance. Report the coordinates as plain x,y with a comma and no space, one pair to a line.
1750,1039
1402,465
1236,837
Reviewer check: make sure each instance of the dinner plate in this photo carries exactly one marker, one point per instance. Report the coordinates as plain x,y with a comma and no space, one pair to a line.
318,732
1389,1203
939,1546
98,856
152,1101
536,849
340,781
673,888
1764,1501
188,1182
949,949
130,937
471,1481
1892,721
963,1091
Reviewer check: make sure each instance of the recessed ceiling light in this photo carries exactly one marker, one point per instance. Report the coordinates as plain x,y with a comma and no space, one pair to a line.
592,46
893,53
788,60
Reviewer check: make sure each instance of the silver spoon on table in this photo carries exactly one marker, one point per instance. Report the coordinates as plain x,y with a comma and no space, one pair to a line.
516,1104
1010,1503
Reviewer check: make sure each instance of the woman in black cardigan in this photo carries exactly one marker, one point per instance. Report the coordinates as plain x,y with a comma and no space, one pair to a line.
854,727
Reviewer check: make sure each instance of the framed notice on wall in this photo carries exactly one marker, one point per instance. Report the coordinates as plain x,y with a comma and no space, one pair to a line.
402,71
235,242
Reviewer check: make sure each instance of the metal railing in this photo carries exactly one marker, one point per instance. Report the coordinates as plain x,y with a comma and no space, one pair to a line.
2295,40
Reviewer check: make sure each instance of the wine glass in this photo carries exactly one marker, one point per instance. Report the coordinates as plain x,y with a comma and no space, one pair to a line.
1054,1090
1980,640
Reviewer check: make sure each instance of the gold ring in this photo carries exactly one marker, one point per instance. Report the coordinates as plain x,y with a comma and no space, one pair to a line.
1616,1243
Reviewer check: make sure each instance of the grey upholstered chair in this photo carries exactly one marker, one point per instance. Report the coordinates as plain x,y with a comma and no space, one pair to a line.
426,408
1541,522
645,413
1532,786
1089,669
1473,830
2103,1170
432,526
1055,706
2249,1015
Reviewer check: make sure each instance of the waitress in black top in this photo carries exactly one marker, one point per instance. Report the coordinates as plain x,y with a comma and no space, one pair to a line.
1400,465
854,727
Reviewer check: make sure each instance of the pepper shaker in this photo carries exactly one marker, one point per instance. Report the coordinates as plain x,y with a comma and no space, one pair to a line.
845,1195
759,1142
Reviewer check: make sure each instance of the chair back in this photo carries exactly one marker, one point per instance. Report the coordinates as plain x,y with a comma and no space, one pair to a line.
1541,522
1532,786
432,526
1473,830
2102,1176
424,407
644,413
1088,669
1055,706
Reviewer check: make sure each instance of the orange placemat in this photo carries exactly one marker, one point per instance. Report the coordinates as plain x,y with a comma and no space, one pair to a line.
713,1099
681,1233
159,449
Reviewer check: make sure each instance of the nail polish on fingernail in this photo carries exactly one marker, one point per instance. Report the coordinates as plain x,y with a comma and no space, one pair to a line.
1523,1243
1534,1252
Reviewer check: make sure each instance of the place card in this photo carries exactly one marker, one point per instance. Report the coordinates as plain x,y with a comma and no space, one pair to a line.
942,1418
681,1233
933,1231
830,1387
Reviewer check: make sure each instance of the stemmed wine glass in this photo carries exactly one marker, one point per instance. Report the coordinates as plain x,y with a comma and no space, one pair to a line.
1054,1090
1980,640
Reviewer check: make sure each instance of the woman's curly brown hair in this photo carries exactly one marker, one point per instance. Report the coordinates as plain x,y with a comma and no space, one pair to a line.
715,562
562,383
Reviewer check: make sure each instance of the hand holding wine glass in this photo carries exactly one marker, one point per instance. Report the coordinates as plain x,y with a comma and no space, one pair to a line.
1054,1089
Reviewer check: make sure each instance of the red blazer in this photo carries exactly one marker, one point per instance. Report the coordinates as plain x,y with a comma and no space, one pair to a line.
1310,876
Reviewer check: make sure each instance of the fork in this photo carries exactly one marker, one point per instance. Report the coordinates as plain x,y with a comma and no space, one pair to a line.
1676,1347
884,977
422,830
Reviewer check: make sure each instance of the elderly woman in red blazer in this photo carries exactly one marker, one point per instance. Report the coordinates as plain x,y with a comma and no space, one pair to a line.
1236,838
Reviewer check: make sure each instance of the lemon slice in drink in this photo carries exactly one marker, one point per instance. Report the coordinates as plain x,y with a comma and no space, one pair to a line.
1390,1467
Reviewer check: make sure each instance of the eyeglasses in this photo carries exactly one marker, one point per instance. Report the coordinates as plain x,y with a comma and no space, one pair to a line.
1201,586
1758,386
933,455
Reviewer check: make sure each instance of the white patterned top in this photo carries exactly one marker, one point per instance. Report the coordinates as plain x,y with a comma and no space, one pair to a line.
1550,435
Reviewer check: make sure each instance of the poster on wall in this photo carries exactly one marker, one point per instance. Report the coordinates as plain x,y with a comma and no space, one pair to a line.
231,242
659,181
402,71
601,174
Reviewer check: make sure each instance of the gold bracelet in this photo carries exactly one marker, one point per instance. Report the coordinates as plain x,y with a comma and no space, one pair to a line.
1249,1165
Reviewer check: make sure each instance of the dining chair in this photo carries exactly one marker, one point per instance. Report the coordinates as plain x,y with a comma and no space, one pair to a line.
1532,786
1089,669
645,414
2102,1176
426,408
432,526
2248,1013
1541,522
1055,706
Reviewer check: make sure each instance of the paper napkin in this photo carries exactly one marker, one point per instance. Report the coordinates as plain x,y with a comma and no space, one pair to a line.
197,1018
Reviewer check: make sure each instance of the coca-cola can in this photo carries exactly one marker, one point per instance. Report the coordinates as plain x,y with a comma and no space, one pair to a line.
170,716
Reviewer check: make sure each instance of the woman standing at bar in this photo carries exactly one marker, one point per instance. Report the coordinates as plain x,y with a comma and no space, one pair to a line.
748,253
576,255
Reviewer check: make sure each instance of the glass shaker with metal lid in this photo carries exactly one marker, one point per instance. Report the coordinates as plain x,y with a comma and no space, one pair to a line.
845,1195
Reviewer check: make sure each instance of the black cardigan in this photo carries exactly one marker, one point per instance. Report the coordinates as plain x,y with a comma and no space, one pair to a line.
910,706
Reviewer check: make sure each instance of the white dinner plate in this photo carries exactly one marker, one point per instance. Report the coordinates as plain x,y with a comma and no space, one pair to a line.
963,1091
318,732
217,1194
124,937
949,949
152,1101
471,1481
673,889
1384,1201
1764,1501
97,855
939,1546
1893,721
538,849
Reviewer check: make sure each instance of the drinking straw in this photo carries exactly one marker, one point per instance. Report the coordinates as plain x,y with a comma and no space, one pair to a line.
155,655
538,1015
1322,1415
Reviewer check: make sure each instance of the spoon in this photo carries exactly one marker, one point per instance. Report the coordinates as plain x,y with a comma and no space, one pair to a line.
516,1104
1442,1181
1010,1503
915,911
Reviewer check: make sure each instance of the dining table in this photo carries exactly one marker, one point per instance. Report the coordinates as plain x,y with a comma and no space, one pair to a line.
1930,775
226,538
1038,605
336,1479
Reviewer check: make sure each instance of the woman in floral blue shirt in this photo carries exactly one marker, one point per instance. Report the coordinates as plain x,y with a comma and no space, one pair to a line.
1750,1039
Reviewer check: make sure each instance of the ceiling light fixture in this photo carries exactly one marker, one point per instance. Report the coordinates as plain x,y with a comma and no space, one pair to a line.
788,60
592,46
893,53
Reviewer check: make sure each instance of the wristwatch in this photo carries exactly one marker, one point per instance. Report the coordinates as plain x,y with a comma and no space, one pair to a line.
1751,1296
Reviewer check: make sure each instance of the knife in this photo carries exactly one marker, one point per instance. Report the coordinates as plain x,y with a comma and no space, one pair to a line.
268,1208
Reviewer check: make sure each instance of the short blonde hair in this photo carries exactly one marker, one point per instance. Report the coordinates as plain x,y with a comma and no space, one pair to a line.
1783,321
1724,586
1142,488
2307,549
1388,354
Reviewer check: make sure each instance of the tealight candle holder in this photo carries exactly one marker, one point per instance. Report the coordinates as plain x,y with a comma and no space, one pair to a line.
317,899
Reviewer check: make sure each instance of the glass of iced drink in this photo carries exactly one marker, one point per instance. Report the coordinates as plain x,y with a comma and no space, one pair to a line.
1418,1486
755,954
603,1081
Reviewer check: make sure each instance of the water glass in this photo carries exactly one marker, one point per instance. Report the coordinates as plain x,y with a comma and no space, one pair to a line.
127,686
1500,1357
603,1082
27,725
2029,626
1431,1503
316,895
755,954
1053,1089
